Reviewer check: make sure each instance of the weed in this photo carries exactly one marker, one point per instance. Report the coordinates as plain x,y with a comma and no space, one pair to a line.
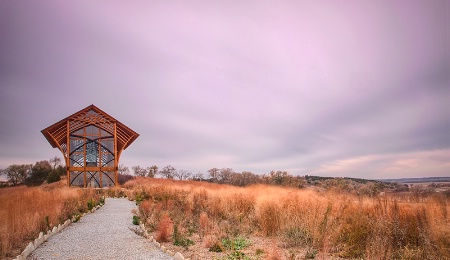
237,255
90,204
76,218
216,247
238,243
259,252
164,230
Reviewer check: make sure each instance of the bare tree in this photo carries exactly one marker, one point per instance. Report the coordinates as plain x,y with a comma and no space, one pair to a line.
168,172
249,178
152,171
225,175
198,176
55,162
214,173
183,174
123,170
138,171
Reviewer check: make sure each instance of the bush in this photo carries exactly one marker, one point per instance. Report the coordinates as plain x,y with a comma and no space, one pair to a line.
164,229
135,220
53,176
39,173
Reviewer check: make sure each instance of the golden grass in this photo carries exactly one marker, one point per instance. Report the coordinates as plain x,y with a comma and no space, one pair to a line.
389,227
26,211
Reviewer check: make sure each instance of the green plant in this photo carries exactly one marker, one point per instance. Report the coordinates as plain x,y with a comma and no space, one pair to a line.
91,204
53,176
135,220
179,239
140,196
76,217
238,243
237,255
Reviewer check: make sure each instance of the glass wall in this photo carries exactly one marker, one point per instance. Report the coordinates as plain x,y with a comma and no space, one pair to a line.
93,148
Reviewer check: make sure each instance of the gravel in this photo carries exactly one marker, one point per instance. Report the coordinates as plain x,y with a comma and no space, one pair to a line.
104,234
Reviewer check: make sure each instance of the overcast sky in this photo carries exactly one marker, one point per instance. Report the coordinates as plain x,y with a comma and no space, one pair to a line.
330,88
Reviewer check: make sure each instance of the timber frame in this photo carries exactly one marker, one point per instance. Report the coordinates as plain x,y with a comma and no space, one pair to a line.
91,142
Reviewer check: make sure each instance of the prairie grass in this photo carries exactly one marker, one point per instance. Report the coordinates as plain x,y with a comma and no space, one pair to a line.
26,211
323,223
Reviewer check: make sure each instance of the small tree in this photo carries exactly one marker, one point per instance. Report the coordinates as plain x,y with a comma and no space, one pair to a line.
214,173
138,171
152,171
183,174
225,175
55,162
124,170
198,176
168,172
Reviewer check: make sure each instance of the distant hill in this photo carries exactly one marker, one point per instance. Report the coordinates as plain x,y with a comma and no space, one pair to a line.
418,180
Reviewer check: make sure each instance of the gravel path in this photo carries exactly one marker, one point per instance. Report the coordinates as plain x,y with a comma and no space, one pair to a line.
104,234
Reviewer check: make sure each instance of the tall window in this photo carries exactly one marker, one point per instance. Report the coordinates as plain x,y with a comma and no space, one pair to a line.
93,148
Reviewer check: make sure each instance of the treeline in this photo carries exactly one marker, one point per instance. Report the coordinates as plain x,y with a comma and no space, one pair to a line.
216,175
35,174
280,178
52,170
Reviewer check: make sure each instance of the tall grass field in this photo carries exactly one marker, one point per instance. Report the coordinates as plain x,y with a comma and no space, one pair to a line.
301,223
215,221
26,211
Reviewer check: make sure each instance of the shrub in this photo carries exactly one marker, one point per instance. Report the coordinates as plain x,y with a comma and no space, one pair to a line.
53,176
135,220
164,229
90,204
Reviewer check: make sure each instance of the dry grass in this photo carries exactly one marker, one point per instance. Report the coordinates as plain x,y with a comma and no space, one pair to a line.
24,212
343,225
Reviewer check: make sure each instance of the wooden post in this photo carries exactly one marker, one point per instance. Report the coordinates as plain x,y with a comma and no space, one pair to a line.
116,166
84,152
68,153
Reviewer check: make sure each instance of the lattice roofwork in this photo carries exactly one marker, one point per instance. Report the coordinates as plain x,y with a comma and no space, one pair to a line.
56,134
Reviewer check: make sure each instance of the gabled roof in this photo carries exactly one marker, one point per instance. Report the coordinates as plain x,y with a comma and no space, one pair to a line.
56,134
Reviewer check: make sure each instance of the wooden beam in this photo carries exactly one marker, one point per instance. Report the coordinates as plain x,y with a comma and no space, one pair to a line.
116,159
68,152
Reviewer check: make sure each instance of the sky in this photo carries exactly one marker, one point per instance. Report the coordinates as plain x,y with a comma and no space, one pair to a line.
329,88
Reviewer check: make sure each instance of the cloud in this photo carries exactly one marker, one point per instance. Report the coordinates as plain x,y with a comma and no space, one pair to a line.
300,86
417,164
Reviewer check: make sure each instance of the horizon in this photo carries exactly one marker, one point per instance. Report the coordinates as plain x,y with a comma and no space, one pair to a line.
355,89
